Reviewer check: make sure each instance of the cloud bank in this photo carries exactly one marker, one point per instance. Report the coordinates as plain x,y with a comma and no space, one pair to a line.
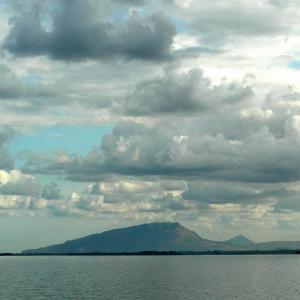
203,99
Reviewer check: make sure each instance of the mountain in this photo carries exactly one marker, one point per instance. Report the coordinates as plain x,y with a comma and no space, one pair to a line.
166,236
240,240
146,237
278,245
246,244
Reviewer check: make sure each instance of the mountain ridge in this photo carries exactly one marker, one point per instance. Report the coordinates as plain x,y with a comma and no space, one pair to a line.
160,236
157,237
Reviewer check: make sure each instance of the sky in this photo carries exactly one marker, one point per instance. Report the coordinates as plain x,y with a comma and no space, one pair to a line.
121,112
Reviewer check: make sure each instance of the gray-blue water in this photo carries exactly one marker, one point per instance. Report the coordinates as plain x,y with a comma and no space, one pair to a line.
150,277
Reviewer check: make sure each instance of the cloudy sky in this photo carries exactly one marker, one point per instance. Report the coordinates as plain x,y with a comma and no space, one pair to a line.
120,112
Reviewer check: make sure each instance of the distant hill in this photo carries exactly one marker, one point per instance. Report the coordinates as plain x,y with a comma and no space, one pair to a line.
146,237
159,237
241,240
278,245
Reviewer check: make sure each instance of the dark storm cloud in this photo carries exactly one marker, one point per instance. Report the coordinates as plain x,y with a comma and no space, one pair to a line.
79,32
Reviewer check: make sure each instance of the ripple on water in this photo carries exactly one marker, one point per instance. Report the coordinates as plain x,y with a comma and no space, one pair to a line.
150,277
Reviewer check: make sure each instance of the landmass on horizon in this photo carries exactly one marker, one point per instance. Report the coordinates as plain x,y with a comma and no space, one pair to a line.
161,237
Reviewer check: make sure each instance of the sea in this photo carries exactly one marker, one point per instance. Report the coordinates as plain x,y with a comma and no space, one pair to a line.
150,277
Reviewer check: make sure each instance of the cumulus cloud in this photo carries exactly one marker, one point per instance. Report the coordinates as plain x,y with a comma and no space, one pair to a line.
17,202
193,139
137,150
19,193
16,183
218,142
233,204
123,187
139,37
183,93
127,197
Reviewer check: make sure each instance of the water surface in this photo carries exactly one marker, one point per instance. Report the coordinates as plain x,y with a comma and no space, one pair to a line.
150,277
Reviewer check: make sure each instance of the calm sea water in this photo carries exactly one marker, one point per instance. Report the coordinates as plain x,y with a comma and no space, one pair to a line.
150,277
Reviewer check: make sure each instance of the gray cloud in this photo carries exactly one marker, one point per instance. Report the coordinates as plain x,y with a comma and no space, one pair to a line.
10,86
221,192
182,93
222,145
242,20
146,38
217,22
288,203
18,96
135,2
51,191
7,134
208,152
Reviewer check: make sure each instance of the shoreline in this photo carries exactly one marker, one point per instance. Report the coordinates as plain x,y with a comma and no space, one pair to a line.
162,253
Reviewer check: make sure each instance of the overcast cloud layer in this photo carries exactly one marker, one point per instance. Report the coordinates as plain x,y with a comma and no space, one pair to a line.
203,99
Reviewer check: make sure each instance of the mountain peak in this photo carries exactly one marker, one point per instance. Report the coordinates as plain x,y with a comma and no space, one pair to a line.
240,240
174,224
158,236
157,226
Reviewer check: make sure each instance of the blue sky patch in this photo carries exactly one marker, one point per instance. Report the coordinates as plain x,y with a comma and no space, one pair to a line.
71,138
294,64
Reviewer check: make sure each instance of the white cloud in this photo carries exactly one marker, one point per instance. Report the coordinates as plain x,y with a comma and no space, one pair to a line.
16,183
